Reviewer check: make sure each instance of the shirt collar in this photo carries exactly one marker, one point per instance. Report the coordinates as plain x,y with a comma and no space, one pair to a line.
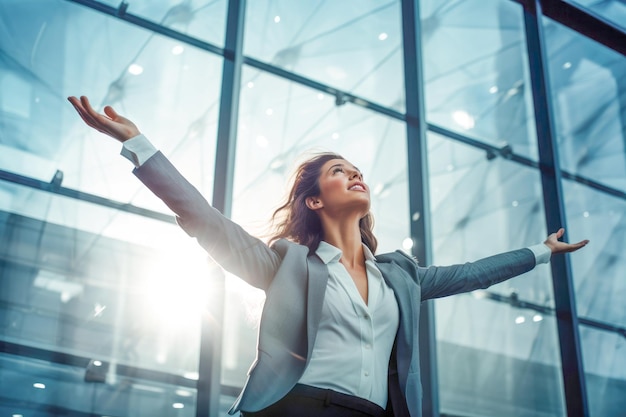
329,253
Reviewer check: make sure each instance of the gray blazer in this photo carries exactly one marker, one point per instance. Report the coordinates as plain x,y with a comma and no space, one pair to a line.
295,285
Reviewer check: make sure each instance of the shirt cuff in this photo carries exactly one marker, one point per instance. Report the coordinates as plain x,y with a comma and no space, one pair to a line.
542,253
138,150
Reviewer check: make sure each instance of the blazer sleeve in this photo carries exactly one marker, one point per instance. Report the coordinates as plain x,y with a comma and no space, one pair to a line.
441,281
228,243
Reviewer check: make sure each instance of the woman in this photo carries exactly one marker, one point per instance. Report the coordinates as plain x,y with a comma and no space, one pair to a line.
338,333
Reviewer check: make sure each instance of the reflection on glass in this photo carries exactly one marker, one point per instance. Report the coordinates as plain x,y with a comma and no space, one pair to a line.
605,371
588,90
600,269
85,282
475,71
59,49
481,206
104,293
85,389
496,360
202,19
353,45
281,123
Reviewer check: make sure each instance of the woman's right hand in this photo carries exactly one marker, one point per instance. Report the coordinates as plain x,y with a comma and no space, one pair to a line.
110,123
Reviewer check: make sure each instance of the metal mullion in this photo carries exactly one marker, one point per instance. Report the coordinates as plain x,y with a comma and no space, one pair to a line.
508,154
514,301
55,188
209,367
583,21
78,361
586,22
551,181
417,151
120,13
342,97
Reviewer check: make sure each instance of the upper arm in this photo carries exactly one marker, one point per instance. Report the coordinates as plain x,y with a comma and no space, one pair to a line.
228,243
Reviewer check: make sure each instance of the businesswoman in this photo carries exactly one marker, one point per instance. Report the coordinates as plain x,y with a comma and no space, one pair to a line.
338,333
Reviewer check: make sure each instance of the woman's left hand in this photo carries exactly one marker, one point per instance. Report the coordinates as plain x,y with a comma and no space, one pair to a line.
556,246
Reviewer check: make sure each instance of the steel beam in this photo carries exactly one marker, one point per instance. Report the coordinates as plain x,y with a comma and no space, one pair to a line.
209,381
419,205
553,197
56,188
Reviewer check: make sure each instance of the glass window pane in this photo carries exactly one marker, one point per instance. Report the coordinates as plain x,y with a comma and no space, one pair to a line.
600,268
490,363
86,281
605,371
269,146
476,73
57,49
202,19
493,358
280,123
38,388
354,45
589,99
483,206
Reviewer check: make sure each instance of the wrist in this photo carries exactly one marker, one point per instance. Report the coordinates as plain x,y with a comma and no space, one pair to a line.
124,136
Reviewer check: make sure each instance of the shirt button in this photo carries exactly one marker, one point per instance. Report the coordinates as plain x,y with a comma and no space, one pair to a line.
366,316
366,373
368,346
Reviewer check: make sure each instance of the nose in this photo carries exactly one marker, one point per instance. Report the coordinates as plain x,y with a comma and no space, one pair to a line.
356,174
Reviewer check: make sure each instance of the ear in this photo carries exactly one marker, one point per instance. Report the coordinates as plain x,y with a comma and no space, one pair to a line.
314,203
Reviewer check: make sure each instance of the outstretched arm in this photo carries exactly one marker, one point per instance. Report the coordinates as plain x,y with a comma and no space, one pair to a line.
454,279
229,244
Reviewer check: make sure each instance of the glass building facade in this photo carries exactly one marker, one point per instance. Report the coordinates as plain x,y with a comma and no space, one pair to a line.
480,125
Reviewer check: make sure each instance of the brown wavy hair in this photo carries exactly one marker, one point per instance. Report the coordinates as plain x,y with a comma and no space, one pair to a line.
298,223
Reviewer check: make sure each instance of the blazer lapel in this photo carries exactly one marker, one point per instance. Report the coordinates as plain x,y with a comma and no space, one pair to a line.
318,279
405,295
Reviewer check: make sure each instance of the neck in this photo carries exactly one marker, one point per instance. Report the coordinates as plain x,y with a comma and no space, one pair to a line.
345,235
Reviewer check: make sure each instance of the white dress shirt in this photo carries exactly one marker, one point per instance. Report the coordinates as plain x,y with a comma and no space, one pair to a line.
354,339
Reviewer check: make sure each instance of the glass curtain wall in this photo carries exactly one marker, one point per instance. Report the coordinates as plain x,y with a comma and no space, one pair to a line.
94,319
493,358
104,301
589,99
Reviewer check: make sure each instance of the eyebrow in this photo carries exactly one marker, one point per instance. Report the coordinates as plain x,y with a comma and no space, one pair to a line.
344,165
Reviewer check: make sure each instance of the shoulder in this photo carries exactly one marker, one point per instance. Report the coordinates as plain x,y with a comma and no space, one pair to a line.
404,260
284,247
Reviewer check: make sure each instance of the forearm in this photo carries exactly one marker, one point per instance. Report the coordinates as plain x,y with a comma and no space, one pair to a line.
443,281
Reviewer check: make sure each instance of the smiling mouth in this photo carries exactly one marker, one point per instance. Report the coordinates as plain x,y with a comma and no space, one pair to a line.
357,187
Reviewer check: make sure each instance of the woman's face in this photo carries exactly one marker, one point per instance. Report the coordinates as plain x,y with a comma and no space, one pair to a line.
342,188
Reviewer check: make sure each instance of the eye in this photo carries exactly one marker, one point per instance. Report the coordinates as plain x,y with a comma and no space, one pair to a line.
337,169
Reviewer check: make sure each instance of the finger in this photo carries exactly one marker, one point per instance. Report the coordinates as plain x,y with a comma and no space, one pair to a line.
81,112
73,100
560,233
575,246
110,111
81,108
90,110
100,121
